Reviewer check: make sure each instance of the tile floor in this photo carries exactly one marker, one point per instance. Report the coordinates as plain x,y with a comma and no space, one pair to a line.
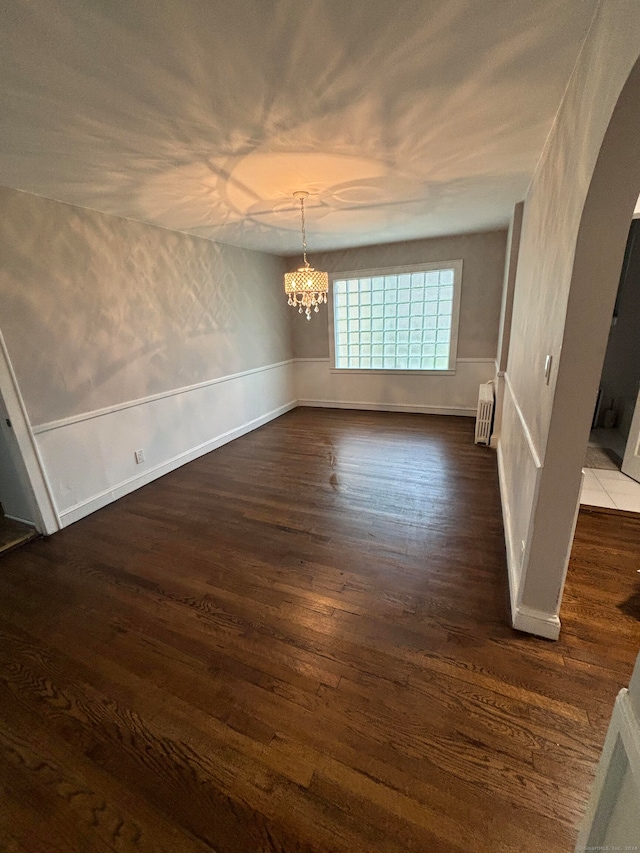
610,489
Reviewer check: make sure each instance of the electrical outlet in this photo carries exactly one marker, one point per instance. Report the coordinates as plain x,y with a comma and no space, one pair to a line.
139,456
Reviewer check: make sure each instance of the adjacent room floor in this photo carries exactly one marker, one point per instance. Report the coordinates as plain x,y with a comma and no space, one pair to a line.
300,642
608,487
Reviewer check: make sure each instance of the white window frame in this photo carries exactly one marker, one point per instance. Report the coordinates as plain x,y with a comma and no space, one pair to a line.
456,266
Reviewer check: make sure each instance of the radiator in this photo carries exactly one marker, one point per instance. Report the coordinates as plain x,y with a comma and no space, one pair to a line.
484,418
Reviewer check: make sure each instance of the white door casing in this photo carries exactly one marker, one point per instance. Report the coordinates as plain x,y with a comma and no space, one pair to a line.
631,461
16,494
47,520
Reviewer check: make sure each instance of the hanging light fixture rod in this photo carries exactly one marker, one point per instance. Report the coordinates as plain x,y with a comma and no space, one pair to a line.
306,287
301,195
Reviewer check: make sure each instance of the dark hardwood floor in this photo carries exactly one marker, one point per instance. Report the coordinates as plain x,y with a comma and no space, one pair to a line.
14,533
300,642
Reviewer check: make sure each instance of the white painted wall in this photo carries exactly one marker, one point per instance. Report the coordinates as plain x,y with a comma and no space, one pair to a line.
566,281
623,830
483,257
612,819
125,336
317,384
90,458
519,469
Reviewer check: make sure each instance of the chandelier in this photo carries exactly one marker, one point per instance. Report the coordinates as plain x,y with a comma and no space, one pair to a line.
306,287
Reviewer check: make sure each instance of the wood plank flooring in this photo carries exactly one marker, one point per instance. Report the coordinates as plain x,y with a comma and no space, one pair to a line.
300,642
14,533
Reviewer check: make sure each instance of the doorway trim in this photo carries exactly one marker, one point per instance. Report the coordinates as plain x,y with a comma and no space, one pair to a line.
48,520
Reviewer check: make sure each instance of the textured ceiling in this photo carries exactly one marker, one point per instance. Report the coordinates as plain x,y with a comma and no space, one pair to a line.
403,119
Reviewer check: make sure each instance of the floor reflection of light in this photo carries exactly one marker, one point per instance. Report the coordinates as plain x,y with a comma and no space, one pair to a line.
422,505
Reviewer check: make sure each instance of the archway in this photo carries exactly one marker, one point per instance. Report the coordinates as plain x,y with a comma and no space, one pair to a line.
576,223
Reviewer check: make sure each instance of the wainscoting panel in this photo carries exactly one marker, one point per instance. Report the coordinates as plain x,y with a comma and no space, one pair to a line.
519,470
448,394
90,459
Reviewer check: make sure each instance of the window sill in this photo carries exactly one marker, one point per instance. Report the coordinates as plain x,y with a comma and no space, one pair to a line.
384,371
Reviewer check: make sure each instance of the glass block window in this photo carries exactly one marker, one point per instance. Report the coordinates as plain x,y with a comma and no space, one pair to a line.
397,320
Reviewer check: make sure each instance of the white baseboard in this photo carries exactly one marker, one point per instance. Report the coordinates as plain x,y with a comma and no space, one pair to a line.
86,507
512,570
21,520
390,407
535,622
523,618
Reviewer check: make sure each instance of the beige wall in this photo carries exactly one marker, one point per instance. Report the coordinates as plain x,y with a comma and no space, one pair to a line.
506,310
576,215
483,255
98,310
128,337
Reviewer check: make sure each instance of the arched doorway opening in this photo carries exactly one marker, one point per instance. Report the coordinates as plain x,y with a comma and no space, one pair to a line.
598,259
575,227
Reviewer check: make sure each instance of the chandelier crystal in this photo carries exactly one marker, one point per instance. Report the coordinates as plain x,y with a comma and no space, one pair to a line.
307,287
